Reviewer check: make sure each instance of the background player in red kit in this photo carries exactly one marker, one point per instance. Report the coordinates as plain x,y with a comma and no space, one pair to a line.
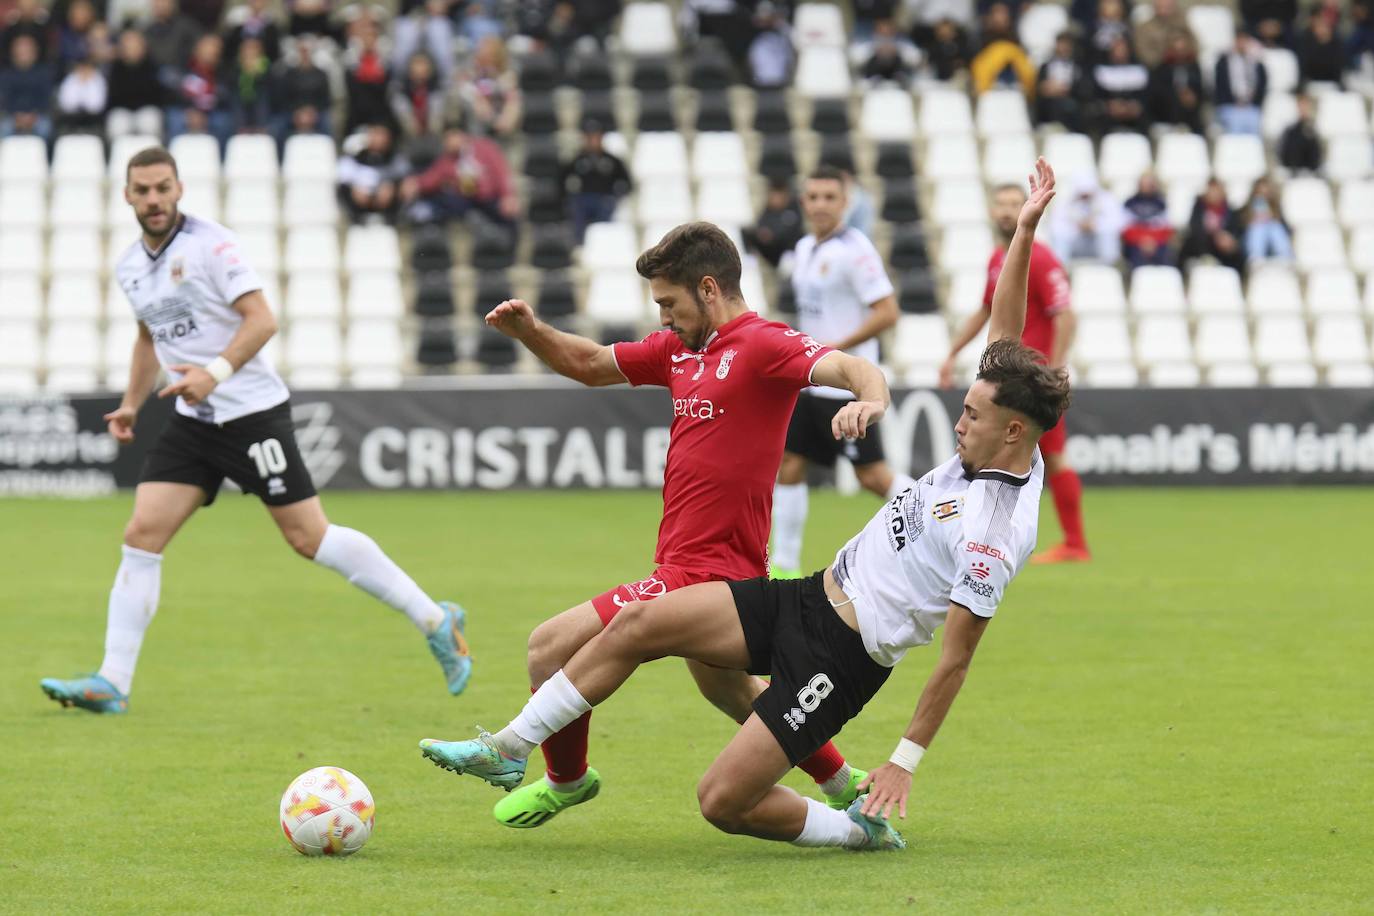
1050,326
734,379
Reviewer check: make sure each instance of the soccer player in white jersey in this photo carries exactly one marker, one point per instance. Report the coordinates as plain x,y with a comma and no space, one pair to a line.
844,300
203,317
941,552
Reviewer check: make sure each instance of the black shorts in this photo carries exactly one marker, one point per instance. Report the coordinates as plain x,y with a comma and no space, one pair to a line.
809,434
821,674
258,452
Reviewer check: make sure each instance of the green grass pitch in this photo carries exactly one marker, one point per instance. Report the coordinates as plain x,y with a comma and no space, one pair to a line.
1186,725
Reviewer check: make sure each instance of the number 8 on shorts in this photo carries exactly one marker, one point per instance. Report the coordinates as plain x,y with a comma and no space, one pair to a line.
810,696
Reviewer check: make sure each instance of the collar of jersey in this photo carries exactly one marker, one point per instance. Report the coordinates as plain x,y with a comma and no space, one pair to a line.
171,237
1016,480
724,329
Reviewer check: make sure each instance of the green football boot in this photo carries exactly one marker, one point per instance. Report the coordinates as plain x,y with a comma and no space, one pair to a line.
844,799
538,803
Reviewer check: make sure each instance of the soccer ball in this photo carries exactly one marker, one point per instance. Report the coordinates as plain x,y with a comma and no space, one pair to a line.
327,811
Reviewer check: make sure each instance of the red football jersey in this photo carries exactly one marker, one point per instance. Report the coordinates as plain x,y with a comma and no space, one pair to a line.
732,401
1047,294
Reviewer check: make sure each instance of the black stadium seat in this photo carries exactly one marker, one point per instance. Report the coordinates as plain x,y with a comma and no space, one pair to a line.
540,117
836,151
539,72
437,346
541,157
434,294
430,249
713,112
830,116
899,201
786,305
652,74
770,113
556,298
492,246
495,350
597,107
916,292
591,72
894,161
618,333
776,159
552,247
710,69
908,247
545,202
656,111
493,288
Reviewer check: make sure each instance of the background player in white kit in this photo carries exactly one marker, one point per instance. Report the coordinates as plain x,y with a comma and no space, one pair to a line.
844,300
941,552
203,317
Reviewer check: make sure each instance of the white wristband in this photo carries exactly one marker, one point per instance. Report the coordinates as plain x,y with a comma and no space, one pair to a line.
907,755
219,369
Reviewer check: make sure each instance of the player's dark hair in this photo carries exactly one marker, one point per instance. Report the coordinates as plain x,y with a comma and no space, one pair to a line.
1024,383
825,172
153,155
690,252
1009,186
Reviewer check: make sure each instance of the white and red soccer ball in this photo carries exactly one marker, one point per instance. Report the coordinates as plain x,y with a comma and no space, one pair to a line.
327,811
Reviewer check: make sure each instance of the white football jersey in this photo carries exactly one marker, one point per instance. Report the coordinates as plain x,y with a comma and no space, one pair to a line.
836,282
185,295
950,538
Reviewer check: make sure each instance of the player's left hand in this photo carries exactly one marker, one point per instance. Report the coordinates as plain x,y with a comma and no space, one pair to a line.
194,385
888,785
853,419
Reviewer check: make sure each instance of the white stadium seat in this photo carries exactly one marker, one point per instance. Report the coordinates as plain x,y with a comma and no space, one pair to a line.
945,111
922,340
308,157
20,347
22,207
23,160
1071,155
1123,159
117,345
818,25
719,154
122,150
1239,159
21,295
262,249
1097,289
20,250
1349,158
887,115
966,289
1274,290
959,202
310,203
1174,375
1292,375
1342,114
250,157
725,202
311,249
966,362
313,345
375,294
1356,203
1214,27
313,294
200,198
1180,198
822,73
1213,290
197,157
251,205
76,205
664,200
372,248
1306,201
1233,375
1339,339
1157,291
1280,69
1163,339
1281,339
966,247
646,29
1351,375
75,295
1005,158
1182,159
617,296
71,344
373,344
1277,114
951,157
609,246
78,158
1040,24
1318,246
659,153
1102,339
1332,292
751,286
1362,249
1221,339
1000,112
74,251
1112,375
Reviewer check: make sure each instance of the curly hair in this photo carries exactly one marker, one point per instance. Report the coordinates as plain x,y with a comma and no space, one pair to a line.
690,252
1024,383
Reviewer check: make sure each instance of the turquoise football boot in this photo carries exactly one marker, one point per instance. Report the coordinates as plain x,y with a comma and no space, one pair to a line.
479,757
450,648
92,693
880,833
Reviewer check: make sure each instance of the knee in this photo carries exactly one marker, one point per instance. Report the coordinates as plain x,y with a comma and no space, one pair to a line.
305,541
628,623
720,810
544,653
139,534
792,470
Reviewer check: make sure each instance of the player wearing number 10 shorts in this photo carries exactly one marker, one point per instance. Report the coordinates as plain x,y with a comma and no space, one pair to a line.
203,318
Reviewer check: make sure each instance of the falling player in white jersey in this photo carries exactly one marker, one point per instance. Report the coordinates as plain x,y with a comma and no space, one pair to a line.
844,300
203,317
941,552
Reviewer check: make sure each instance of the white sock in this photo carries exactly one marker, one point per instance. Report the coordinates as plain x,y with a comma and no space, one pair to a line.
900,482
837,783
827,827
357,558
133,602
554,706
789,521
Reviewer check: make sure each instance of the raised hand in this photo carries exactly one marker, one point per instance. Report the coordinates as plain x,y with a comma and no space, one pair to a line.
1041,193
514,318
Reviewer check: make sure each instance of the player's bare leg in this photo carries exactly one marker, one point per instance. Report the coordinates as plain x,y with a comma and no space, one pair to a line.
1067,490
356,557
160,509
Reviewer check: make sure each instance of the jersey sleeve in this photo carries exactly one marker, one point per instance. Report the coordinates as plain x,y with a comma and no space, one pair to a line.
644,362
229,272
1051,282
789,355
867,277
986,559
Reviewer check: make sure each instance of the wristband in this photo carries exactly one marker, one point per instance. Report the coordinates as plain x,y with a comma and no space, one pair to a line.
219,369
907,755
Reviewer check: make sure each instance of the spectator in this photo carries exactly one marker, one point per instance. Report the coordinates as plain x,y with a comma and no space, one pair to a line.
1266,234
594,181
948,50
779,225
305,91
253,20
81,37
250,95
559,24
29,17
1271,21
889,57
479,20
136,95
1063,89
489,91
368,178
203,101
426,28
770,52
206,14
1321,55
171,36
311,17
1359,48
1146,236
1109,26
1086,225
1240,86
1300,149
81,98
418,99
1176,91
1155,36
1002,61
728,20
868,14
1214,229
859,214
26,91
927,15
1121,87
471,174
367,80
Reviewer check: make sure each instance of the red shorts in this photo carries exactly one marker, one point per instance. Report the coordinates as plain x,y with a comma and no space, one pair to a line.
1052,442
660,582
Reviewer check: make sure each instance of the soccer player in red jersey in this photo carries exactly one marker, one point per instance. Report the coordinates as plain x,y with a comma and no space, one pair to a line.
1050,326
734,379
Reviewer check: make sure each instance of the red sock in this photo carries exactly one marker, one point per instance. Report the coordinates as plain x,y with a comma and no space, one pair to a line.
823,764
1067,490
565,752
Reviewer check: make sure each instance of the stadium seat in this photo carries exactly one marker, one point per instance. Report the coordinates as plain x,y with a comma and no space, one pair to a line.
1157,291
74,251
557,298
117,343
493,247
1339,339
22,207
776,159
921,340
313,344
313,294
822,73
1180,199
310,202
1332,292
836,151
719,155
831,116
75,296
1112,375
250,157
122,150
1124,157
1281,339
373,344
664,199
818,25
1318,246
1005,158
646,30
263,250
539,71
617,296
552,247
959,202
71,380
659,154
966,246
200,198
495,351
21,250
1215,29
1306,201
197,157
966,289
1342,114
916,291
751,287
609,246
1239,159
1277,114
76,205
1349,158
1362,249
887,115
1281,69
944,111
1097,289
1273,290
1174,375
710,69
78,158
1355,203
1071,155
539,114
1213,289
376,294
1040,24
1182,159
308,157
908,247
311,249
1163,339
1102,339
966,361
771,114
251,205
1221,339
437,346
1233,375
23,160
1000,112
725,202
950,157
1291,375
371,248
71,344
1351,375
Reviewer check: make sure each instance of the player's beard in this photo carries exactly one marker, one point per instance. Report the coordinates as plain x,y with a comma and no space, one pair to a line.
173,216
698,341
1004,234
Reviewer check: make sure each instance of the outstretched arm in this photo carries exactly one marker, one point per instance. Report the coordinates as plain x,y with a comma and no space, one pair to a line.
259,324
578,358
1009,299
871,396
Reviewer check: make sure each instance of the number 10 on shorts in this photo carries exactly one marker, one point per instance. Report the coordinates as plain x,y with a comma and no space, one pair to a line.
268,456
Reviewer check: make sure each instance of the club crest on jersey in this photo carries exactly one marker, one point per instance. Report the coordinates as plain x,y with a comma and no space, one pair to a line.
178,269
947,510
724,368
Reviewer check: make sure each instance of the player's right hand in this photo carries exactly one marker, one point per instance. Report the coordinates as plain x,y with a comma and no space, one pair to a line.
513,317
120,423
947,374
887,786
